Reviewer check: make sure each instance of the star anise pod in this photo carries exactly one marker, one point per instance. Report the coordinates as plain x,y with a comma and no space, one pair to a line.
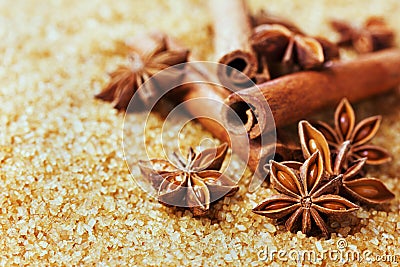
285,51
305,195
273,44
314,52
364,189
374,35
309,52
194,182
144,62
358,135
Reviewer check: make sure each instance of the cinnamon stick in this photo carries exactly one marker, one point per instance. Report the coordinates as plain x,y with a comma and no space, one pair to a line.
232,30
298,95
209,99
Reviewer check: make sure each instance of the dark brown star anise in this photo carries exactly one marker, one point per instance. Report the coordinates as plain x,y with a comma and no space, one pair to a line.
374,35
367,190
305,195
193,183
273,44
143,64
358,135
281,51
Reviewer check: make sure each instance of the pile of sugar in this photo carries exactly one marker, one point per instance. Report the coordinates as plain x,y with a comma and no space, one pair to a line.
66,194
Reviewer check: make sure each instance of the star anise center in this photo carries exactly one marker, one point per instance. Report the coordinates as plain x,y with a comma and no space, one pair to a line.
135,62
306,202
193,182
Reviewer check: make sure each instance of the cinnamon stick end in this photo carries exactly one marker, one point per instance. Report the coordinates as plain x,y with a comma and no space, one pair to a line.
245,114
242,61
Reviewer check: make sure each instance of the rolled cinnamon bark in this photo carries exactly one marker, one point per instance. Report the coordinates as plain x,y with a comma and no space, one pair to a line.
232,30
255,152
298,95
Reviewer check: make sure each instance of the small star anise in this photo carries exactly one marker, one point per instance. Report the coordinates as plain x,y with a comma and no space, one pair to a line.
193,183
303,194
367,190
374,35
358,135
126,80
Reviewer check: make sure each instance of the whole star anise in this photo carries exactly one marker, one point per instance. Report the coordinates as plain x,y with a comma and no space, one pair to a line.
364,189
144,62
193,183
374,35
358,135
303,194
